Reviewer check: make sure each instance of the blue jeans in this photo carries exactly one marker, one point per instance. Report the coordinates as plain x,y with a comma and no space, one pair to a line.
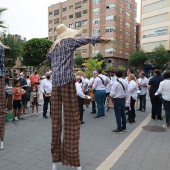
142,99
119,108
100,98
167,110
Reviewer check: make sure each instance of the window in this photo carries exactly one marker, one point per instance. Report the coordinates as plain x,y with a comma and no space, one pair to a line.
127,44
77,14
70,16
120,32
56,12
121,21
111,6
128,5
135,10
110,29
128,15
96,1
55,31
84,50
121,10
78,5
64,9
110,18
55,37
96,21
84,22
50,21
50,30
127,25
121,1
50,13
56,21
134,29
78,24
84,1
120,42
109,61
127,34
85,11
126,54
109,50
85,31
95,52
71,7
96,31
77,52
70,25
64,18
96,11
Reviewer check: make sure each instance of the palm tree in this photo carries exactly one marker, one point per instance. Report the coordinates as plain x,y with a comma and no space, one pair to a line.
1,21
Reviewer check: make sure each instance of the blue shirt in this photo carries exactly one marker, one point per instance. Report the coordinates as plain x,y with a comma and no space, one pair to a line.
2,66
61,59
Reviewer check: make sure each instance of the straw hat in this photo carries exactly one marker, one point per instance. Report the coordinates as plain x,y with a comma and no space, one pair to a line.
64,32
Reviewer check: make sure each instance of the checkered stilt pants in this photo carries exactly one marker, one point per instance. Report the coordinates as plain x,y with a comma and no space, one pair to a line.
3,109
66,151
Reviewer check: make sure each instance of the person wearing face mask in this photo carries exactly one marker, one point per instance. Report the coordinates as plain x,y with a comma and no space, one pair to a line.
46,88
24,86
35,78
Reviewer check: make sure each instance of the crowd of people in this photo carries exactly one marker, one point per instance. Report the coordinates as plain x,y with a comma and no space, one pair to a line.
125,93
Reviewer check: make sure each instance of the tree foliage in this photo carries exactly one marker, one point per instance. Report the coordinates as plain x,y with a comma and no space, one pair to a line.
159,57
78,61
1,21
100,57
92,65
16,45
35,51
138,59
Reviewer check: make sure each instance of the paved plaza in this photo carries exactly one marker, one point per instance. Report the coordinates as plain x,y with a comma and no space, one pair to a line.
27,144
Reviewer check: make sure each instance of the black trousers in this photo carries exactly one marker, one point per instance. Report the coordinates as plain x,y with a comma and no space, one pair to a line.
93,106
80,102
156,107
131,111
45,106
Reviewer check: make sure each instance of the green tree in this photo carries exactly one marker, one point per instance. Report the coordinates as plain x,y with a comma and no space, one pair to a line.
16,45
159,57
122,68
78,61
100,57
92,65
138,59
35,51
1,21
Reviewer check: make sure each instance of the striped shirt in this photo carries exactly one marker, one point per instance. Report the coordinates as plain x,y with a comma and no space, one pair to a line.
2,66
61,59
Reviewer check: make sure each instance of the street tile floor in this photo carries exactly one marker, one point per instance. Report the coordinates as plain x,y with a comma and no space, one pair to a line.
27,144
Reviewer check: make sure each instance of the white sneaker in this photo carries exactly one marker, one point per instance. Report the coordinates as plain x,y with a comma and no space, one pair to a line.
2,145
54,167
16,118
32,114
79,168
36,114
165,126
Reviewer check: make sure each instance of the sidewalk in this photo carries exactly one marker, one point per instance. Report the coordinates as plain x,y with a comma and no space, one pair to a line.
27,145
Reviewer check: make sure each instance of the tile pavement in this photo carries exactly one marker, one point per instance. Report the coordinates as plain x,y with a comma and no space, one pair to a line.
27,144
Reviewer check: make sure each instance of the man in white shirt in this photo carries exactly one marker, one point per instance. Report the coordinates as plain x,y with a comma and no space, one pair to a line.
80,96
46,89
118,93
113,76
142,84
100,93
91,82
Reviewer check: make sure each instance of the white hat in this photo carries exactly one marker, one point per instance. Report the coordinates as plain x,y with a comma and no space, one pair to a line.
64,32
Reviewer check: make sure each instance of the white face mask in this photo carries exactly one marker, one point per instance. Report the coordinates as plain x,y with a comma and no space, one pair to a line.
34,89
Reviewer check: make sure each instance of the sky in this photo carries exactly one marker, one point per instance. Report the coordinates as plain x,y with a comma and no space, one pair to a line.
29,18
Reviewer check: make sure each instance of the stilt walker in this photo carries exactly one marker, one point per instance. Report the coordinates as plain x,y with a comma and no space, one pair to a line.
3,105
64,93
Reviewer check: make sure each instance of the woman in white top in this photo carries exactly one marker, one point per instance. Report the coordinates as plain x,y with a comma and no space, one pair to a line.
131,98
164,90
80,96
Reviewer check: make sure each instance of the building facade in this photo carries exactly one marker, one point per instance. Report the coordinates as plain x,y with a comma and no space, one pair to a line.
115,19
155,24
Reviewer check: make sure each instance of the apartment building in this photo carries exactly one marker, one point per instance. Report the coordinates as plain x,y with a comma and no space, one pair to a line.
155,24
115,19
74,14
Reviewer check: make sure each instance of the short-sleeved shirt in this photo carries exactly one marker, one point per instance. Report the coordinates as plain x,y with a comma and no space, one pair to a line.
34,78
61,59
18,91
154,83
